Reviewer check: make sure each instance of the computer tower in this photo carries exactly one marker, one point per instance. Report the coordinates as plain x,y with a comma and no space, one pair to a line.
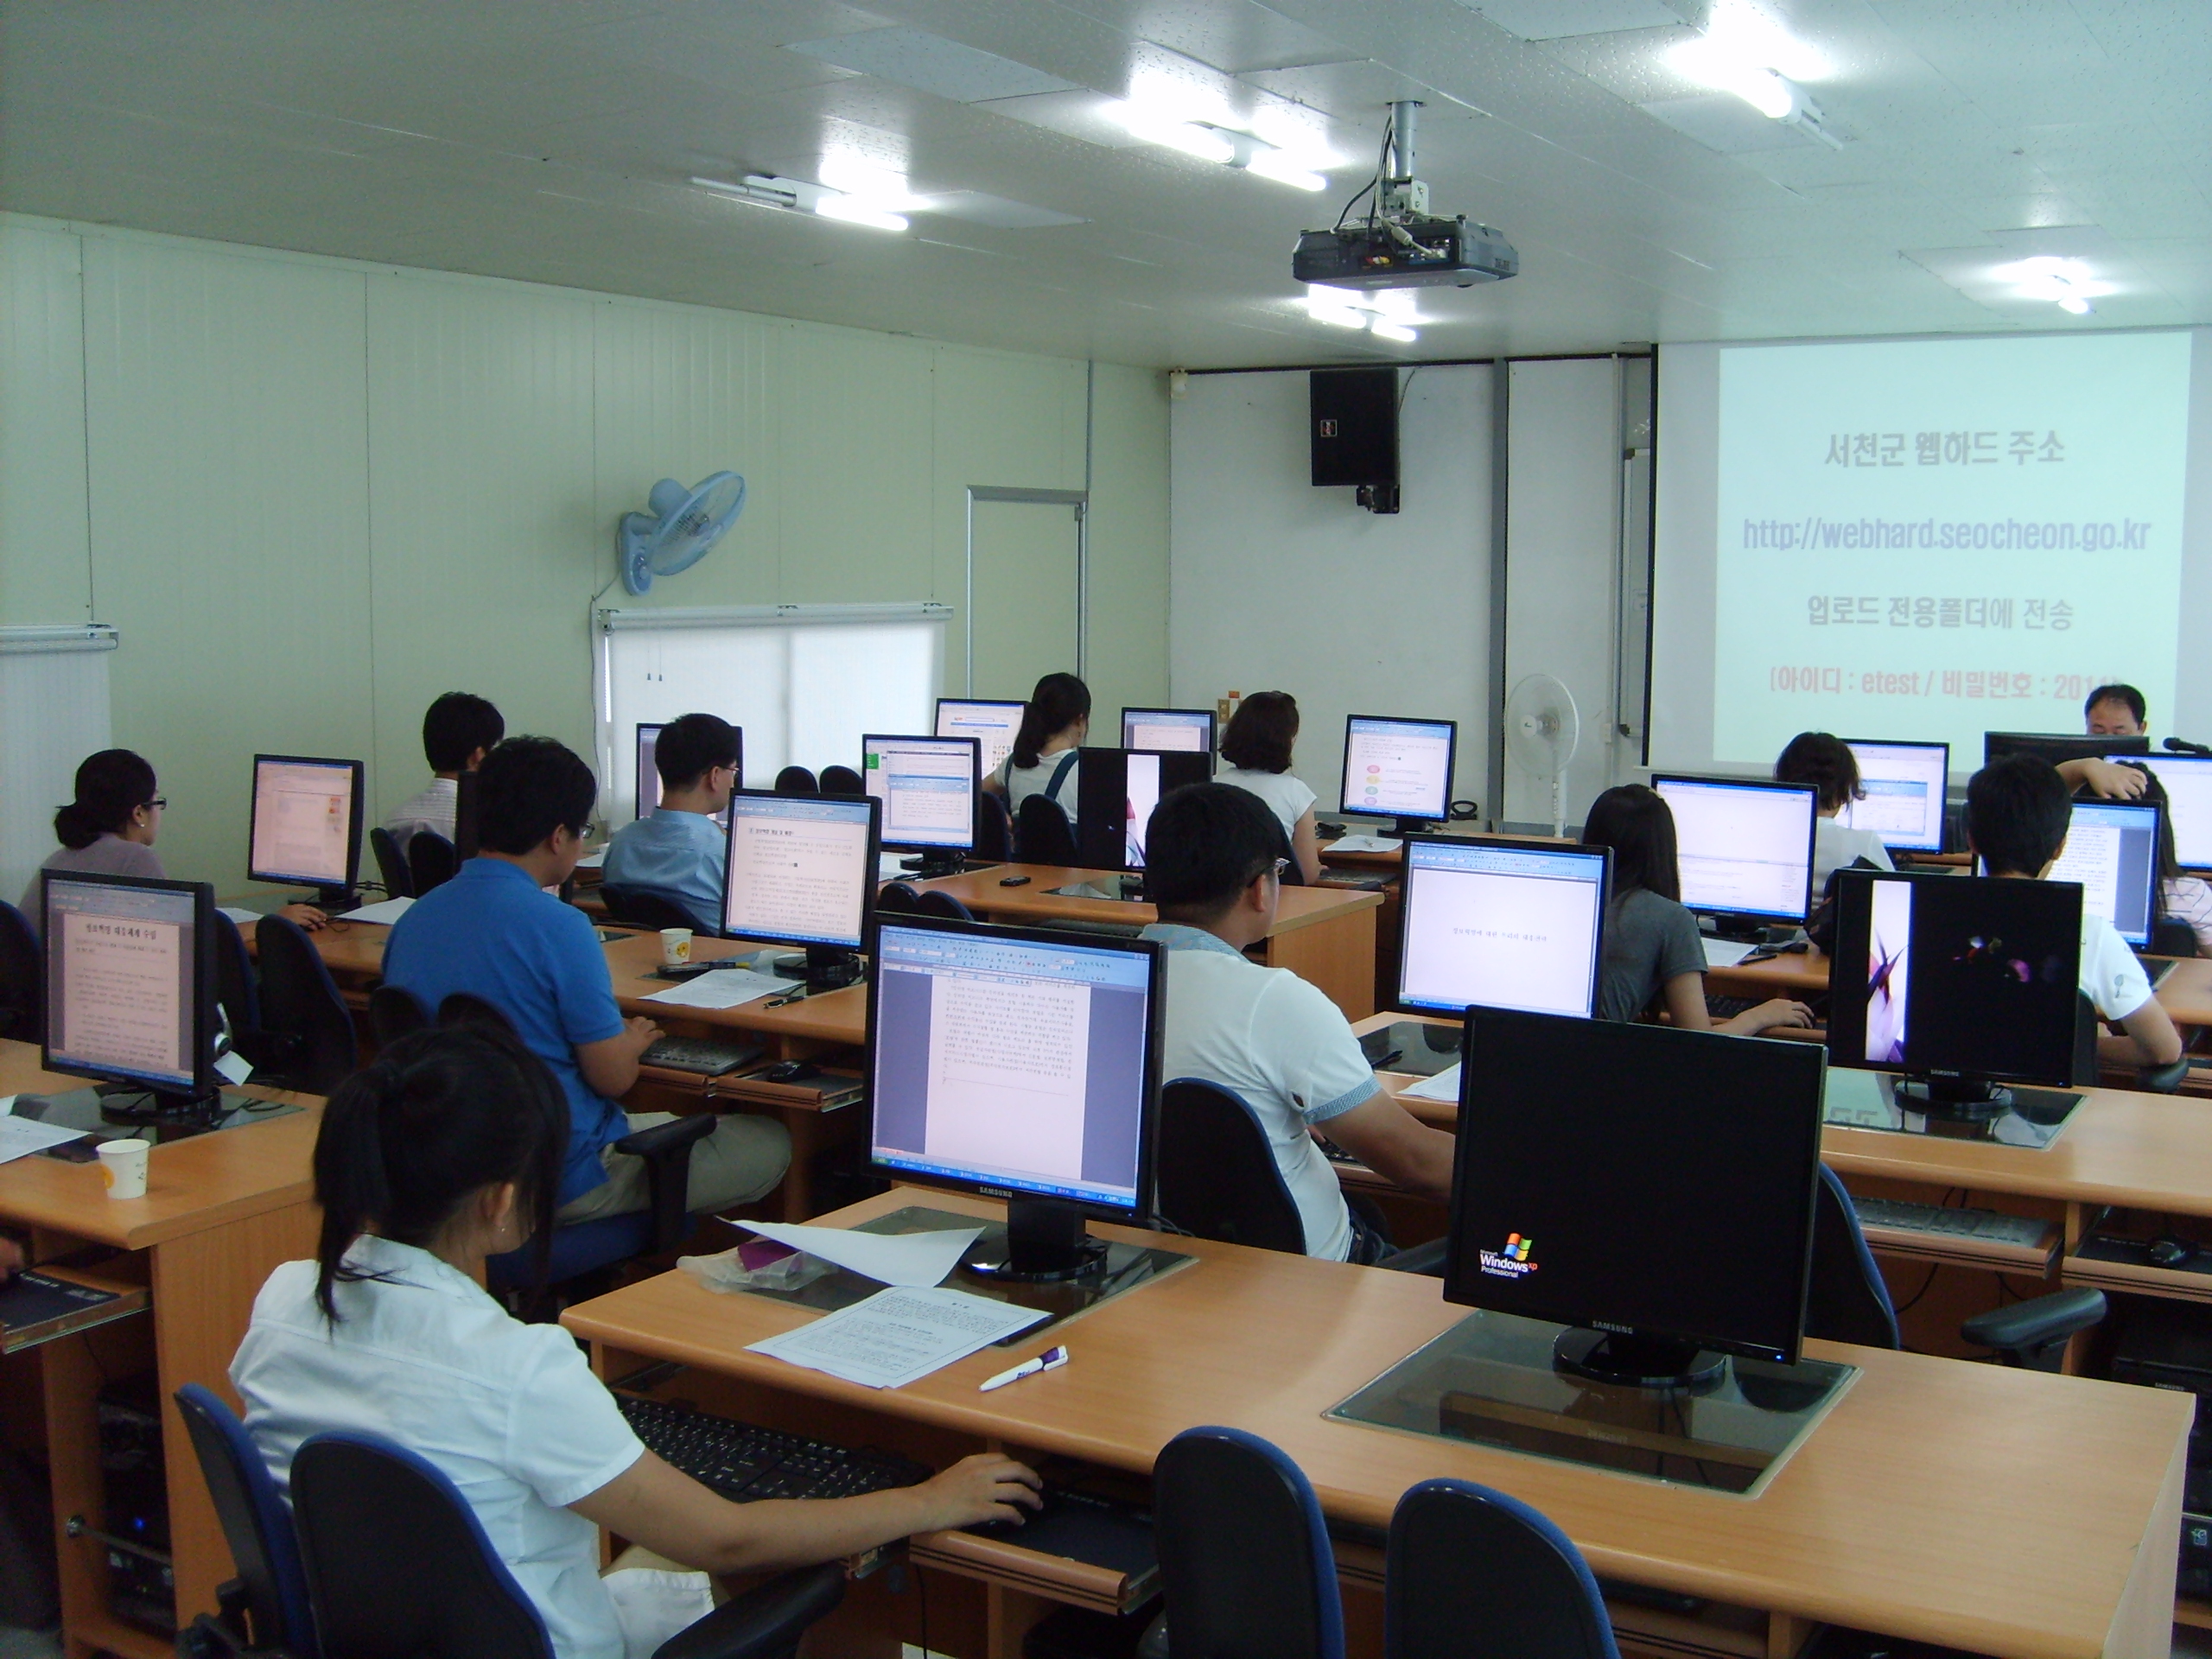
2164,1343
142,1589
1354,432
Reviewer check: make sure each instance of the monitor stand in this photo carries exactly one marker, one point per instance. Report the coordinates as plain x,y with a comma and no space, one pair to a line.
823,968
1636,1362
1972,1099
935,863
333,901
1128,887
1046,1241
1403,827
156,1106
1737,930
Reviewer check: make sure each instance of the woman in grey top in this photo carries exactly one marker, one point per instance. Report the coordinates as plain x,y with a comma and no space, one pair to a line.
1653,952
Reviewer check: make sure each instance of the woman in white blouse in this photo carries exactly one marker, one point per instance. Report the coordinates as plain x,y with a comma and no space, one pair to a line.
1257,746
1054,724
445,1151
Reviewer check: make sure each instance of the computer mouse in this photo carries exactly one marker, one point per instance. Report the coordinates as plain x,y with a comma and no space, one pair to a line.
791,1071
2169,1252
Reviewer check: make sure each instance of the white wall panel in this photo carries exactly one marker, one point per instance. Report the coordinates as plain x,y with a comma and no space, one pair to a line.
46,555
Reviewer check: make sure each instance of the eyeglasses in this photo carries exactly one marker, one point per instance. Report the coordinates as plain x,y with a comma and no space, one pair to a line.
1281,864
159,802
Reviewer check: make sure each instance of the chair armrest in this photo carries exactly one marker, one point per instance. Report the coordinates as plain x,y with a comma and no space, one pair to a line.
666,1149
2163,1079
763,1623
2039,1323
1421,1258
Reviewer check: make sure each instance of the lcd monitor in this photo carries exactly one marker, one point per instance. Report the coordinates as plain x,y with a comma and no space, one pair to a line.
2112,850
927,785
1116,792
2187,781
1501,924
1168,729
129,973
648,789
1902,788
1399,769
1743,848
994,725
802,871
306,824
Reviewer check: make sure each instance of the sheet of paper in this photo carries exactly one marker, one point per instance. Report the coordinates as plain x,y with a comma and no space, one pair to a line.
593,861
1725,953
723,988
22,1136
1361,844
384,913
911,1260
243,918
899,1335
234,1067
887,868
1444,1086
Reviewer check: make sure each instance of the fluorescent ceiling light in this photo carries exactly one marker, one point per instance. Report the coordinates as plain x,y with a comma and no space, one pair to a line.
852,210
1745,52
2066,283
797,195
1225,145
1389,330
1271,163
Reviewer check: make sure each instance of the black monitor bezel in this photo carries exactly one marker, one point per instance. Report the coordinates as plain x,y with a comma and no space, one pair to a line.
1093,764
974,786
1943,810
1020,708
206,1080
1147,1129
1846,1040
638,807
355,816
1633,1039
1213,728
1812,838
1450,768
871,886
1510,843
2064,745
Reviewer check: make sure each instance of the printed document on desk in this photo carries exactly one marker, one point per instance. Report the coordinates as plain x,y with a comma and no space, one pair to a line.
898,1336
1361,844
22,1136
914,1261
1444,1086
383,913
1725,953
725,988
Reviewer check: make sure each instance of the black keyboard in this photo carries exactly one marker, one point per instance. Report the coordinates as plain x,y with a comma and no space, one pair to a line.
1720,1008
744,1463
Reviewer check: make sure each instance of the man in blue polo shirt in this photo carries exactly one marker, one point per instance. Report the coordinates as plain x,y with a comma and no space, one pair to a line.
676,850
493,932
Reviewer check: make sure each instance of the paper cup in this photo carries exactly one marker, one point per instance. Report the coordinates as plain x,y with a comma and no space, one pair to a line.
123,1166
675,946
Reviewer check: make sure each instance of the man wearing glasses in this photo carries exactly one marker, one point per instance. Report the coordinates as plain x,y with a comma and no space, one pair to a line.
677,851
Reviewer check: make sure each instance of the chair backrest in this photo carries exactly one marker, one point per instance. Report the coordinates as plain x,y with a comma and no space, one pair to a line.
467,1008
301,1008
1293,875
255,1525
797,781
235,986
934,901
842,781
1244,1555
645,907
395,1013
430,860
2172,937
23,979
398,1562
994,829
1217,1175
1041,832
1472,1574
1846,1299
897,898
392,863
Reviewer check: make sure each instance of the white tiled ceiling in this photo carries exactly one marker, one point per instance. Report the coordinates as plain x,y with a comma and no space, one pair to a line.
553,141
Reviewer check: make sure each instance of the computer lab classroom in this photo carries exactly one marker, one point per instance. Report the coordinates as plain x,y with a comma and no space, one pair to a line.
944,830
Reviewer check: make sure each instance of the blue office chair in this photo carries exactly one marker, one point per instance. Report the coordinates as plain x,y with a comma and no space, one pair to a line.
994,829
22,978
265,1608
392,863
648,907
395,1013
400,1568
898,898
1042,834
235,988
307,1029
1472,1574
431,861
934,901
842,781
1244,1555
797,781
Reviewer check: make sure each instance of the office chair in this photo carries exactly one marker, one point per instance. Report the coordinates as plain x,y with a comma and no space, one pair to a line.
392,863
1217,1178
2172,937
235,990
842,781
307,1031
1041,833
22,978
1847,1301
1472,1574
897,898
431,861
265,1607
1244,1555
935,902
994,829
400,1568
797,781
1292,876
394,1013
645,907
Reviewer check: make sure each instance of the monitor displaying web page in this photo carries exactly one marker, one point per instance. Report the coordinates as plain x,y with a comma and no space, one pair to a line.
2112,850
1015,1060
992,724
648,792
800,869
1168,729
128,966
1399,768
306,820
1902,802
2187,781
1743,849
1492,924
927,785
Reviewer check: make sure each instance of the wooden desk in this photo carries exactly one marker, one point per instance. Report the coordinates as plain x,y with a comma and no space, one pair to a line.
1324,935
220,1211
1888,1518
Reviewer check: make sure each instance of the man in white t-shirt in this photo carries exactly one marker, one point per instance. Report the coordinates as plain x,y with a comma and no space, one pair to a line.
459,730
2017,810
1277,1041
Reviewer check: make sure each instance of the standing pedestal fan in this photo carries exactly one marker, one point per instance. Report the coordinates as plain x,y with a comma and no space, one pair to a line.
1542,730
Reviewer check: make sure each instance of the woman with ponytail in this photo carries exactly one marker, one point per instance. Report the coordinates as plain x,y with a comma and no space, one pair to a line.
110,828
1054,724
447,1150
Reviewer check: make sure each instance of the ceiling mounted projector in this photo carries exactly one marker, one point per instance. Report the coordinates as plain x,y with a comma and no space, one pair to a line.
1400,243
